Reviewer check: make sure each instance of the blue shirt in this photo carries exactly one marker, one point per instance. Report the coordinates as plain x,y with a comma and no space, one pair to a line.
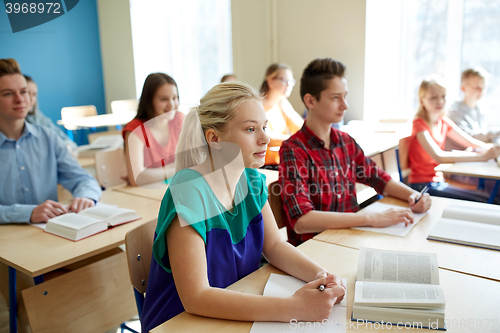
31,168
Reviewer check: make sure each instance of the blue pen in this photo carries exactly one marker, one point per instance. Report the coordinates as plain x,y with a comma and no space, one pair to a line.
424,190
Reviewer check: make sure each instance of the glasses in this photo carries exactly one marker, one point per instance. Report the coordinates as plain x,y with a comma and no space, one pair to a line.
287,82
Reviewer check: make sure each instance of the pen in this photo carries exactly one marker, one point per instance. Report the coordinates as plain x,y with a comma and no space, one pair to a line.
321,287
424,190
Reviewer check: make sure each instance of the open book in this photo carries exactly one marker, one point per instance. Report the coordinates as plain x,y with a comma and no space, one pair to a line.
284,286
399,288
469,225
89,221
396,230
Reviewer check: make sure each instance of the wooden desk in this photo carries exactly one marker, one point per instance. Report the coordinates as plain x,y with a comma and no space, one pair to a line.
156,191
454,257
489,170
343,261
47,252
103,120
34,252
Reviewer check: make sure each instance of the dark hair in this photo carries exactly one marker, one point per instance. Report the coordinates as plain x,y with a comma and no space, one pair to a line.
145,111
9,66
271,70
316,75
28,80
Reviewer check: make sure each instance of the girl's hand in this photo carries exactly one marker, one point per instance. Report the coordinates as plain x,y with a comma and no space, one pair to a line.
337,280
493,152
313,304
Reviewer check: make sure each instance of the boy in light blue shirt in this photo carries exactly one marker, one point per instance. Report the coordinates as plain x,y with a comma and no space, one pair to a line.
34,160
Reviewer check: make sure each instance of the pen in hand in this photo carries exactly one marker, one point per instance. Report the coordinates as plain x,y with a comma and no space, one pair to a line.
321,287
424,190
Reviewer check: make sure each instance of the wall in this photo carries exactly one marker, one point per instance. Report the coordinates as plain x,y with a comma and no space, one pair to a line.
116,49
63,56
295,32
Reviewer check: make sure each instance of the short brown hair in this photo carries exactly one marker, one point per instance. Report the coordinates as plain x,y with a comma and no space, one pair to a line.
145,111
317,73
475,72
9,66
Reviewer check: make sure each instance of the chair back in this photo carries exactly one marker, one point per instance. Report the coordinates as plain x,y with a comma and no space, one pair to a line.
74,112
276,203
124,105
402,156
110,168
139,245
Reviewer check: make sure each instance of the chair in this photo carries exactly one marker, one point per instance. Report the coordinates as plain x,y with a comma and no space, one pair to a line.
276,203
139,245
93,298
75,112
110,168
402,152
124,105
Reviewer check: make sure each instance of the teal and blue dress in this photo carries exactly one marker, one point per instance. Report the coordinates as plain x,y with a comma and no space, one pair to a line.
233,239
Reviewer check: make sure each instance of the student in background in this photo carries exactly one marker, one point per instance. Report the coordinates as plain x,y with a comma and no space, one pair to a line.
283,120
33,160
35,116
228,78
431,129
467,113
320,165
151,138
215,222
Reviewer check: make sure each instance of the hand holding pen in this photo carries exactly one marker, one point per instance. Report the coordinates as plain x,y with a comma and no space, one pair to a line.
420,202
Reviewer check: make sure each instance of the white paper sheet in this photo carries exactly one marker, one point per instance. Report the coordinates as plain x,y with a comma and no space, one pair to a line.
395,230
283,286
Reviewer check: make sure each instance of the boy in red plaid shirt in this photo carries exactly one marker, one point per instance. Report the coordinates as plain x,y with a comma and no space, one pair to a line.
319,165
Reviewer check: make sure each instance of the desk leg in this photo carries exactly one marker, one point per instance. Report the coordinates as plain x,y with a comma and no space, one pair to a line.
12,300
494,192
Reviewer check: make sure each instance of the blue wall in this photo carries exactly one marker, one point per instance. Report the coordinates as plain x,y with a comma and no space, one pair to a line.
63,56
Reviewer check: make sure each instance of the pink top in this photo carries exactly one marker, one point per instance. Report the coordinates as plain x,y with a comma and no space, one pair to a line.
155,155
421,163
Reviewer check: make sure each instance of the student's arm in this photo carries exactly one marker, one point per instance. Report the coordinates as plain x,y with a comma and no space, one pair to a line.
285,256
465,139
403,192
294,120
188,262
84,188
136,172
440,156
301,212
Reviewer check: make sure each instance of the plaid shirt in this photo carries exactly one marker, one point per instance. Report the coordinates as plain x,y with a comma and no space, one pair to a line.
315,178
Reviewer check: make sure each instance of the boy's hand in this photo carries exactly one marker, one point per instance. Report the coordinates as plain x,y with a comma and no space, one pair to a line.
423,204
47,210
79,204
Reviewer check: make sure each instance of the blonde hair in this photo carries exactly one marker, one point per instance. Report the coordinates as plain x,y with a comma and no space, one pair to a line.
216,109
475,72
433,80
271,70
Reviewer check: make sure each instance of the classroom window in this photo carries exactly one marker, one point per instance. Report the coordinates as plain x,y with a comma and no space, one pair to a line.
409,40
190,40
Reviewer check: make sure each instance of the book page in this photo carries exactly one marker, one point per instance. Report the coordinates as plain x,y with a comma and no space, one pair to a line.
397,266
74,221
398,295
467,233
483,213
284,286
396,230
